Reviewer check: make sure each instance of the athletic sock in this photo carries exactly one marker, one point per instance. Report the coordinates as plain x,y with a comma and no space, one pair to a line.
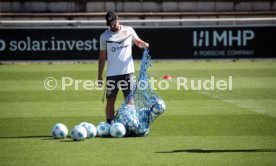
109,121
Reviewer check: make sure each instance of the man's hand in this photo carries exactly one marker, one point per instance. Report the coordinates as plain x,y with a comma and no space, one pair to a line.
100,82
141,44
146,45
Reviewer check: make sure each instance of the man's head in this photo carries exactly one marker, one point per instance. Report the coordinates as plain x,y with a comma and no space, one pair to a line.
112,20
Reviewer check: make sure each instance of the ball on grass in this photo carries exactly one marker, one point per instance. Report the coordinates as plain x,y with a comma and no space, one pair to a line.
90,129
78,133
59,131
117,130
103,129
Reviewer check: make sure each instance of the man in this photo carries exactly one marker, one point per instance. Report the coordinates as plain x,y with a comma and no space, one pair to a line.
116,44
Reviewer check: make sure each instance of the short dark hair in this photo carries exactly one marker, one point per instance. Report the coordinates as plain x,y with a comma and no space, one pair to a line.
110,16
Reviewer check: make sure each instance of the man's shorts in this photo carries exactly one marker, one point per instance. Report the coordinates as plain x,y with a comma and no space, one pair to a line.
124,82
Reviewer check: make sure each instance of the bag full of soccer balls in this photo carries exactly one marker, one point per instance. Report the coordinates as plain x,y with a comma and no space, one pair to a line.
147,106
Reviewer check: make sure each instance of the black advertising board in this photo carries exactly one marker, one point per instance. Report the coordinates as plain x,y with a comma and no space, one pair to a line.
165,43
49,44
211,42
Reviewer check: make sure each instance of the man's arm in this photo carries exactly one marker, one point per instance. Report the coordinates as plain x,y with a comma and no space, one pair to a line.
101,63
137,41
141,44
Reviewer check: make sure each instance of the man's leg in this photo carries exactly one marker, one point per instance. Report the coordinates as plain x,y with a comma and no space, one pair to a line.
111,95
130,79
109,110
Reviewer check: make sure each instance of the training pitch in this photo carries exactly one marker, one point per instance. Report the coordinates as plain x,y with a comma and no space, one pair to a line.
199,127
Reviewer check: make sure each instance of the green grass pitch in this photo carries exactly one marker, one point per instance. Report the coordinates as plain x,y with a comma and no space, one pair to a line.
235,127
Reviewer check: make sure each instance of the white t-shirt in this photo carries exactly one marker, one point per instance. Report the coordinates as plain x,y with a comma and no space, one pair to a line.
119,50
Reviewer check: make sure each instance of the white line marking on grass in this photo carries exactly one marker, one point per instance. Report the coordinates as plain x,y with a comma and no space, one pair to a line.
239,103
242,104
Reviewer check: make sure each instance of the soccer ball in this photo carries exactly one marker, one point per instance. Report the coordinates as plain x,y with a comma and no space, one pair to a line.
144,125
59,131
90,129
78,133
127,116
117,130
84,123
141,131
157,109
160,106
103,129
132,123
143,115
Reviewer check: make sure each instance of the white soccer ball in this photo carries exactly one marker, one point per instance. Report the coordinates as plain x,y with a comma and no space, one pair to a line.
102,123
117,130
144,115
159,107
103,129
84,123
141,131
128,117
59,131
78,133
144,122
90,129
132,122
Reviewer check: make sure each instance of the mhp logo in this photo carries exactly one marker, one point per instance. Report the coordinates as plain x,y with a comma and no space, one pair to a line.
213,38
